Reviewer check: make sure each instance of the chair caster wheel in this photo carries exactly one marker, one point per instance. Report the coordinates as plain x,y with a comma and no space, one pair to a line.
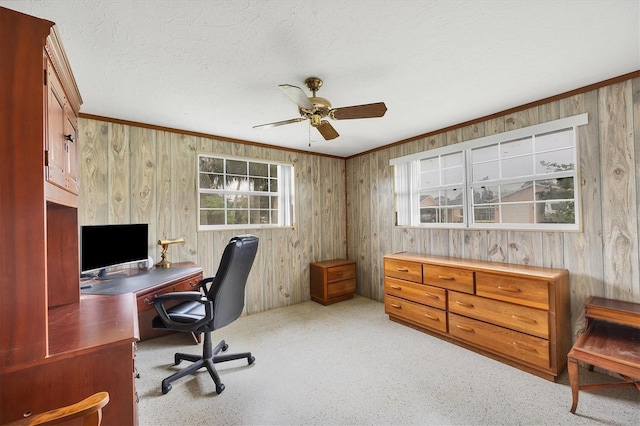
251,360
166,389
224,348
219,389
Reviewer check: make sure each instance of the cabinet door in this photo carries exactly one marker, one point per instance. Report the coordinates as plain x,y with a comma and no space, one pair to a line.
55,143
70,137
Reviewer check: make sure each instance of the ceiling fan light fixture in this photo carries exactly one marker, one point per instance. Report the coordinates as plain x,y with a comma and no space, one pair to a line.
315,119
315,108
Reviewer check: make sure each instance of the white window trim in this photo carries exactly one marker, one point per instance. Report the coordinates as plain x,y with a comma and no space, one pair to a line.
286,194
407,207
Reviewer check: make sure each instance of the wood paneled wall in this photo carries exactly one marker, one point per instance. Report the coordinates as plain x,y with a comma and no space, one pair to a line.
345,208
133,174
603,259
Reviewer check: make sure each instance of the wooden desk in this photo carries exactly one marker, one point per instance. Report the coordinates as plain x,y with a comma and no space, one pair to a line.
611,342
146,285
91,349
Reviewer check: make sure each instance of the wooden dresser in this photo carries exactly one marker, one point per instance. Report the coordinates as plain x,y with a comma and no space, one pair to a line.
517,314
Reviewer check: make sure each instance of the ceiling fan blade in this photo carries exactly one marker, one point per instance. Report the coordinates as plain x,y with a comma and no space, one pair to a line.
280,123
327,131
359,111
297,95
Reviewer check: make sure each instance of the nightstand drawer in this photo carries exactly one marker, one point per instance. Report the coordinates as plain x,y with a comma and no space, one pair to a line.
339,273
416,313
420,293
409,271
341,288
517,317
449,278
505,342
523,291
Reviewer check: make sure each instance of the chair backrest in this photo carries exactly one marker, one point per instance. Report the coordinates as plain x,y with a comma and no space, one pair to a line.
227,289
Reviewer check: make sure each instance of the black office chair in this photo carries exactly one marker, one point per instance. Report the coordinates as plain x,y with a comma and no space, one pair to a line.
219,303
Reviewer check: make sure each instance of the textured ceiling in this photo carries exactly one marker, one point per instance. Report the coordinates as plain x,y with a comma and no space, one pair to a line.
214,66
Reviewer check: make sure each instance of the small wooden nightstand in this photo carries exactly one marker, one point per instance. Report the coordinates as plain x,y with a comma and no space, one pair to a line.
333,281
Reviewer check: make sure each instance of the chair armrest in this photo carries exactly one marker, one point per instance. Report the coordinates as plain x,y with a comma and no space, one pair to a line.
183,296
179,296
205,284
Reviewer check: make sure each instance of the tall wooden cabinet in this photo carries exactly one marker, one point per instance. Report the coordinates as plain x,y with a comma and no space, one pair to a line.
56,346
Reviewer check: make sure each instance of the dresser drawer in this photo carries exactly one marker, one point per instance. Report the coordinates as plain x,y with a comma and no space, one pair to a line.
511,344
449,278
416,313
514,289
410,271
517,317
339,273
340,288
420,293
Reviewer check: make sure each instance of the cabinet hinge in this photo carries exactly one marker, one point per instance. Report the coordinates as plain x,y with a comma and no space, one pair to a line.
45,77
46,158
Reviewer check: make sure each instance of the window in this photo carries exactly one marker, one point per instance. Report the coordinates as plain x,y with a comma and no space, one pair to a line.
523,179
441,189
243,193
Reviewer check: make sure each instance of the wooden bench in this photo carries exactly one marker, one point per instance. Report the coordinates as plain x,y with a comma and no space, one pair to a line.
611,342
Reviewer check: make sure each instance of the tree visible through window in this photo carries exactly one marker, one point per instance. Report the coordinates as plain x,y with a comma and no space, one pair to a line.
244,193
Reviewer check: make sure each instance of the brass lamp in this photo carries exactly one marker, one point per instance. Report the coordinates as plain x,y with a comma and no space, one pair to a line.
164,261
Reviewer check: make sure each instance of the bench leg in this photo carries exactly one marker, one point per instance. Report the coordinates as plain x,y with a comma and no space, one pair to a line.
572,368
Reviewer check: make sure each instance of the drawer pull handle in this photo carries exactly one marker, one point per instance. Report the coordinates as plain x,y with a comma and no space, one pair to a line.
442,277
465,328
431,317
524,347
393,305
509,289
193,285
148,301
524,319
402,269
396,287
465,304
432,296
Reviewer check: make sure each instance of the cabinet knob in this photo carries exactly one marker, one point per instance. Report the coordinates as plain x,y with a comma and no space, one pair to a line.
432,317
524,346
69,138
509,289
465,328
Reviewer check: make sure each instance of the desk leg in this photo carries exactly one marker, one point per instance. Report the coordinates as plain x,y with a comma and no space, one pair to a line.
572,368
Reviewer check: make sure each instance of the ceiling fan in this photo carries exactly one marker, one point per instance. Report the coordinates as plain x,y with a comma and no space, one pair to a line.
316,109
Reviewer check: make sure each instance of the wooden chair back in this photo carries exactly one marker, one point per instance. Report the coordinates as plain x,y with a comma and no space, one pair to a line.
89,410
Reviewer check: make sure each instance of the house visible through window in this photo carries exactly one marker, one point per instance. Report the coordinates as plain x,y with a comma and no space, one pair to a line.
244,193
523,179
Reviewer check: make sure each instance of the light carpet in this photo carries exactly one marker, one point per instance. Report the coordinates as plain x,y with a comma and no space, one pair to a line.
348,364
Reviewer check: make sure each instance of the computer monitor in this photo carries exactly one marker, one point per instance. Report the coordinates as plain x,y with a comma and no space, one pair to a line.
106,246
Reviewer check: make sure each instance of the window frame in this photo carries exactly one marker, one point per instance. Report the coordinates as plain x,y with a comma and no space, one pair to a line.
285,193
407,178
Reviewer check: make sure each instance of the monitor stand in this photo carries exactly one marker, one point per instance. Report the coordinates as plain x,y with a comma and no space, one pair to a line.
102,275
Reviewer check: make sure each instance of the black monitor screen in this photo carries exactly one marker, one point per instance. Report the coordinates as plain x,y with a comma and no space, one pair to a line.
103,246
